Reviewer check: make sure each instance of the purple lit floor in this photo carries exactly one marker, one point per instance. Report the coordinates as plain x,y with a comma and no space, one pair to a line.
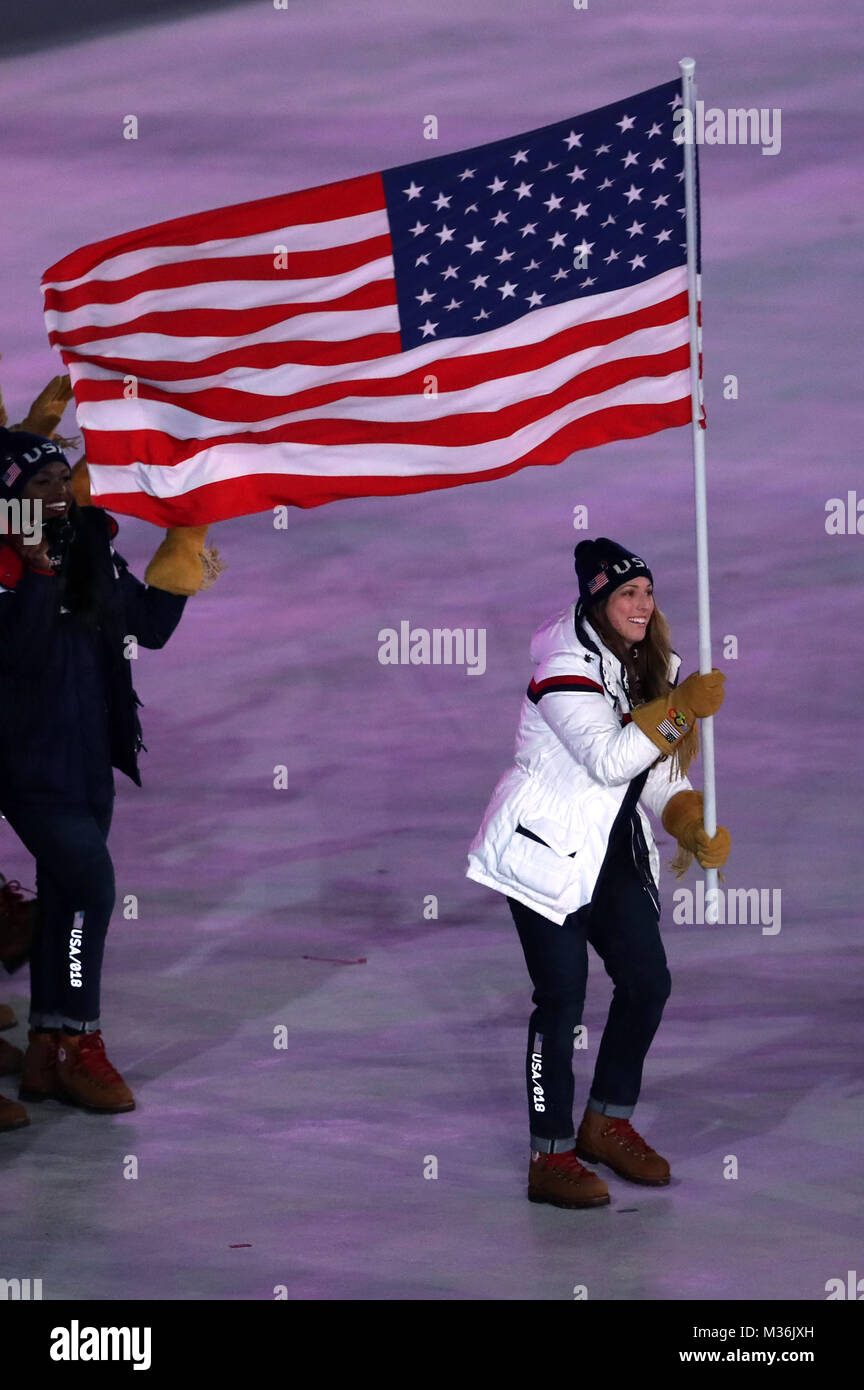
303,1167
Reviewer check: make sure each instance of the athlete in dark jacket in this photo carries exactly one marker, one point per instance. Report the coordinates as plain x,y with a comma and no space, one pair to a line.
70,612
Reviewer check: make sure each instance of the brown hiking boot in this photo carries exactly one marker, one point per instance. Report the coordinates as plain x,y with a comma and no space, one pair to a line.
561,1180
11,1059
85,1077
7,1017
39,1076
17,925
12,1115
614,1141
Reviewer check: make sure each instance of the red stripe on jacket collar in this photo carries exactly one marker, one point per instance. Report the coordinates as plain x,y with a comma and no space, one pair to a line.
537,689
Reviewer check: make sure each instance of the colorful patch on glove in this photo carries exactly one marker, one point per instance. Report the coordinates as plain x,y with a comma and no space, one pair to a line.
674,726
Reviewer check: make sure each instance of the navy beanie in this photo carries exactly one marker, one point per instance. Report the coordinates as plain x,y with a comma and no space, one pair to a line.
602,566
22,455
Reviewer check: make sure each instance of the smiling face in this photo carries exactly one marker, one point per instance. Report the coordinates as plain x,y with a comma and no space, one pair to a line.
630,607
52,486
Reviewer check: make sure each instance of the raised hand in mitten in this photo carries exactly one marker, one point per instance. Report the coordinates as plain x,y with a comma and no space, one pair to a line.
666,720
182,565
46,412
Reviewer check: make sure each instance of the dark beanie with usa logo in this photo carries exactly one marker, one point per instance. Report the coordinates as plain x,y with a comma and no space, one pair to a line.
22,456
602,566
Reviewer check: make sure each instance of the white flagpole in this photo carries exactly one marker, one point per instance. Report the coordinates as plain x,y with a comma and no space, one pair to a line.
706,731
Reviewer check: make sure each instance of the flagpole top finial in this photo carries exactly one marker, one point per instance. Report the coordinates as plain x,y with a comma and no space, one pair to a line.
687,66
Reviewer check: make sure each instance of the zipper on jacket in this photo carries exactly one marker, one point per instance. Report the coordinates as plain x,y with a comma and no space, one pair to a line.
642,864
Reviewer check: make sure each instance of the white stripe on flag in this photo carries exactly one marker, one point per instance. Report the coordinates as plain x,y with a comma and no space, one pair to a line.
227,294
228,461
535,327
338,327
310,236
141,414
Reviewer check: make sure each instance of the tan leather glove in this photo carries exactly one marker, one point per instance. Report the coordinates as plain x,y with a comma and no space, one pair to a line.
666,720
45,413
182,564
682,817
177,565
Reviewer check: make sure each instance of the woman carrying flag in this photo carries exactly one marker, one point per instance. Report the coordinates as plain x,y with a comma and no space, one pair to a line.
605,732
68,716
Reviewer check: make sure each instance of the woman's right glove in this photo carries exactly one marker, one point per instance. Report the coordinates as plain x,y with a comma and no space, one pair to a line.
682,818
666,720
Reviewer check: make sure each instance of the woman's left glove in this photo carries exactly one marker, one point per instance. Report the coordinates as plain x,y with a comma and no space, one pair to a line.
182,564
682,817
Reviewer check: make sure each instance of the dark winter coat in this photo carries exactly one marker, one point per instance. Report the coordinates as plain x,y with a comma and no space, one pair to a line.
68,709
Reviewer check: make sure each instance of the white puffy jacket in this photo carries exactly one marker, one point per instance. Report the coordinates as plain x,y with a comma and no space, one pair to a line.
577,750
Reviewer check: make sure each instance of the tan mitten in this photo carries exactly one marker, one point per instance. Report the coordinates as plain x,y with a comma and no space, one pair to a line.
178,565
682,817
46,412
666,720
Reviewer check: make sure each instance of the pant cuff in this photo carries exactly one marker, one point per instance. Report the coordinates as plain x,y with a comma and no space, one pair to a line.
40,1022
617,1112
76,1025
552,1146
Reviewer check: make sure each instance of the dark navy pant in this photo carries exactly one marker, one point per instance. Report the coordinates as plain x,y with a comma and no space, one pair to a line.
622,924
75,893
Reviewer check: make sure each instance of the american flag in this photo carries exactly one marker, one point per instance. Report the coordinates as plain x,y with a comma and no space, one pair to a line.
444,322
597,582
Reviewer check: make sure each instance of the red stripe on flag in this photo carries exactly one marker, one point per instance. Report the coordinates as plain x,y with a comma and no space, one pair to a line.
454,373
260,356
348,197
228,323
154,447
241,496
293,265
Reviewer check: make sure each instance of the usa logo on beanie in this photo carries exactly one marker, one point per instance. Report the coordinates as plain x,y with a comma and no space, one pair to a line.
602,566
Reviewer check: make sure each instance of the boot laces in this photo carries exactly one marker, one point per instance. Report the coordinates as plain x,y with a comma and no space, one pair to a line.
567,1164
623,1130
94,1059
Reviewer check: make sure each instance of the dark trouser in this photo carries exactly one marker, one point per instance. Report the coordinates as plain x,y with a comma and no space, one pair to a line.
622,924
75,892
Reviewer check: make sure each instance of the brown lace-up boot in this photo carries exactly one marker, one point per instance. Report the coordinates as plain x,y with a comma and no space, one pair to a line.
561,1180
11,1059
39,1076
85,1076
614,1141
12,1115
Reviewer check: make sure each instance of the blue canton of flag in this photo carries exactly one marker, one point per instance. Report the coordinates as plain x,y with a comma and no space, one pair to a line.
579,208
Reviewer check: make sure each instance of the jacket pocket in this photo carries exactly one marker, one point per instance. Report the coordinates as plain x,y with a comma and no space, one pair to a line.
536,867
